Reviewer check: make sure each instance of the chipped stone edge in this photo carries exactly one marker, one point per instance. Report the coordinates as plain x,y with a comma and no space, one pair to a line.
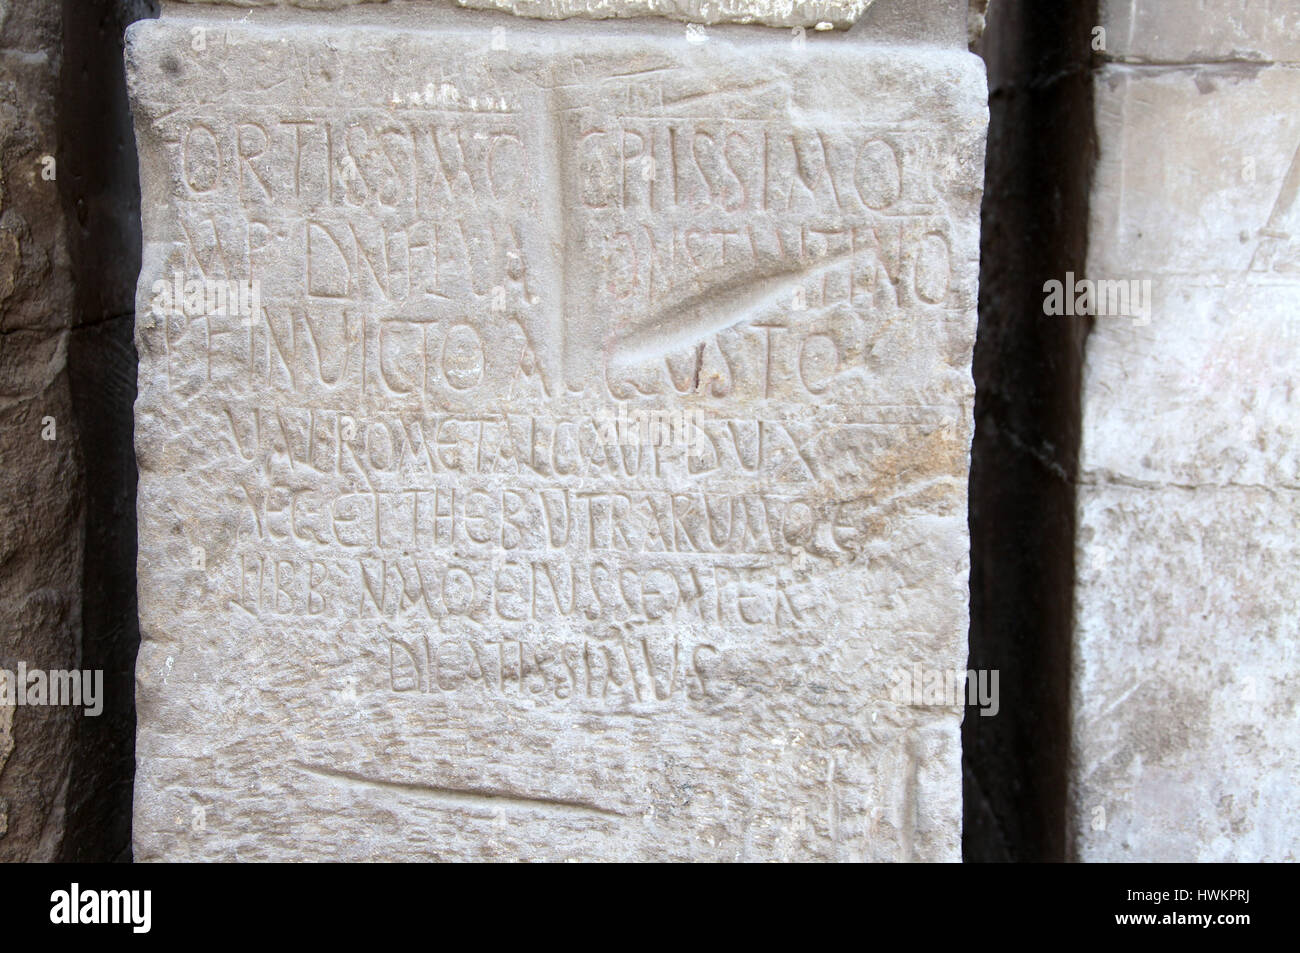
845,13
976,21
787,14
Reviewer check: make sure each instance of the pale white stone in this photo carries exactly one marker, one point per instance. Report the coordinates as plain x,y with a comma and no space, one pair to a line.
1178,31
1184,686
1184,700
396,599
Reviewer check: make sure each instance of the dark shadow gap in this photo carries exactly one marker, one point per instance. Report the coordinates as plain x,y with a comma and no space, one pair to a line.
1041,152
100,193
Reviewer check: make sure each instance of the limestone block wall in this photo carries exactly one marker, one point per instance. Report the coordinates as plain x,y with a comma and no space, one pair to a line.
1184,705
407,589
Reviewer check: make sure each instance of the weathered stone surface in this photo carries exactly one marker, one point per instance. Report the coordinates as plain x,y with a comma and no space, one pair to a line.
781,13
406,588
930,20
40,484
1221,344
1185,696
825,14
1206,31
1184,747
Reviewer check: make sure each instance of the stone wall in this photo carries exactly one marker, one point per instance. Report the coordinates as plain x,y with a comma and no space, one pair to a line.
1186,621
41,487
402,599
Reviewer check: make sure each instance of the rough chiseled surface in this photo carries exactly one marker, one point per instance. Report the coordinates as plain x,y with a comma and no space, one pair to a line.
40,485
406,589
1186,622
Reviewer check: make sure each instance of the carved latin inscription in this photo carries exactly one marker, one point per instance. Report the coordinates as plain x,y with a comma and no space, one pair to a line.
592,430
